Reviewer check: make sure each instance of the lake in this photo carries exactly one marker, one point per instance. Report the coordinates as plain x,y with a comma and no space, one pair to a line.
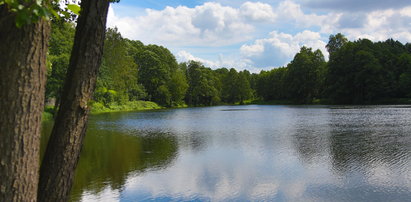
247,153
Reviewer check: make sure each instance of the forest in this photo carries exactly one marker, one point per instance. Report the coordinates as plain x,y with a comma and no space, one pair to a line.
358,72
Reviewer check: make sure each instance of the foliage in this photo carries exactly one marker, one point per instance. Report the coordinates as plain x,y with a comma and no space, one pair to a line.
60,44
118,72
335,43
202,85
30,11
357,72
304,75
365,72
160,74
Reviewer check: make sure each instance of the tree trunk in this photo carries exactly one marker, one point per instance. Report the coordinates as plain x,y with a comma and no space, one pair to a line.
63,149
22,84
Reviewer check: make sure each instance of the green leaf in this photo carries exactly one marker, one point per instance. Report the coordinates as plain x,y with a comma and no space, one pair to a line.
74,8
56,15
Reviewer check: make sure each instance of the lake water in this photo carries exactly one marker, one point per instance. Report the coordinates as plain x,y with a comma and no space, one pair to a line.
248,153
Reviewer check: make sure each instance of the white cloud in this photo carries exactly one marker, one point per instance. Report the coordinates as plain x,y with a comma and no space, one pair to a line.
210,24
382,25
291,13
280,48
184,56
258,11
257,34
222,61
355,5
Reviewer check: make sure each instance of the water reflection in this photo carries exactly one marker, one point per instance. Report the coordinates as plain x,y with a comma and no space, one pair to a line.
110,156
368,149
242,153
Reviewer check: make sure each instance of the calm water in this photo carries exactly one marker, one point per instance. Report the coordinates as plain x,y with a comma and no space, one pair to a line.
243,153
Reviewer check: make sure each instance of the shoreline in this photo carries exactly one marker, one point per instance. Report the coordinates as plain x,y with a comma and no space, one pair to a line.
135,106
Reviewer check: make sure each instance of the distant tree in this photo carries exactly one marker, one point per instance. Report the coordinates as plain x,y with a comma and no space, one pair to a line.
118,71
202,85
158,71
335,42
244,89
304,75
355,74
230,89
178,86
405,77
152,74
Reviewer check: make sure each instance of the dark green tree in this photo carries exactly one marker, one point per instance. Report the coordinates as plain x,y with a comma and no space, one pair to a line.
405,77
335,42
303,75
244,89
203,84
355,75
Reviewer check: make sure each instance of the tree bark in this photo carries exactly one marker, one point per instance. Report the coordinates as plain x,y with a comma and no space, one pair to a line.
22,83
63,149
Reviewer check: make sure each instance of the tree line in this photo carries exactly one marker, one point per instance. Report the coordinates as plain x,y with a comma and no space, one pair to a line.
133,71
358,72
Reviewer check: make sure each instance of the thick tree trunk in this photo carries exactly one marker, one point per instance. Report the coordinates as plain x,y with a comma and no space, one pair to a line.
63,149
22,83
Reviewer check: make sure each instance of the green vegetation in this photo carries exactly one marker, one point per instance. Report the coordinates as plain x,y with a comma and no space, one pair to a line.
137,105
359,72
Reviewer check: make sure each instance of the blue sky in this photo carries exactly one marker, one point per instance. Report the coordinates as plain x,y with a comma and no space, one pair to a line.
256,35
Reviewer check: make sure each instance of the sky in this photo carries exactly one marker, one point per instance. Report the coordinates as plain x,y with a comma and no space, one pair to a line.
256,35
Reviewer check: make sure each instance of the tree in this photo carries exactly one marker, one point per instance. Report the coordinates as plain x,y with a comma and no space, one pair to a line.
118,71
355,75
230,88
158,70
63,148
244,89
303,78
152,74
203,85
22,84
178,87
405,77
335,42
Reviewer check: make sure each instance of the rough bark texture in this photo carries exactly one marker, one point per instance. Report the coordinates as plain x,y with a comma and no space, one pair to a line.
22,83
63,149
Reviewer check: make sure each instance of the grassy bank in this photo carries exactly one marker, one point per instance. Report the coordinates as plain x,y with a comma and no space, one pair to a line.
101,108
128,106
147,105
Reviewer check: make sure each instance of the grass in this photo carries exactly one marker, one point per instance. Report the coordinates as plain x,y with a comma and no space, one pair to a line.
101,108
128,106
47,116
48,113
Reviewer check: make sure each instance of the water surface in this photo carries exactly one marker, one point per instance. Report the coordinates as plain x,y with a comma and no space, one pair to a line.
243,153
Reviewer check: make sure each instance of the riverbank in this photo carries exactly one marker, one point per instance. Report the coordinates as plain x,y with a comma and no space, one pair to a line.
98,108
140,105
